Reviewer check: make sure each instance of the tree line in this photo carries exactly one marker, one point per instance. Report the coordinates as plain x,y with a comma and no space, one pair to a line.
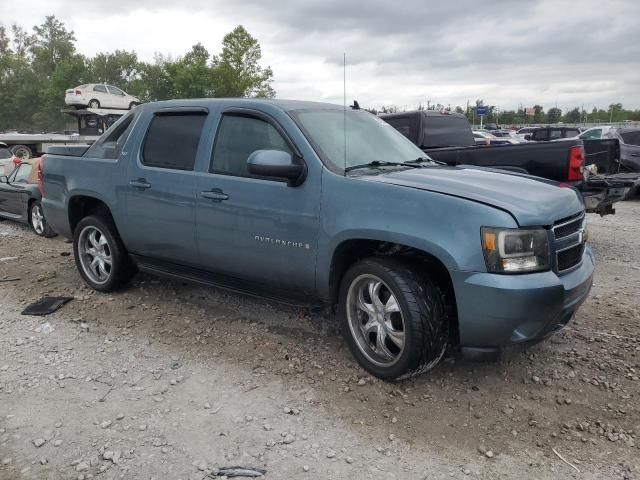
613,114
37,67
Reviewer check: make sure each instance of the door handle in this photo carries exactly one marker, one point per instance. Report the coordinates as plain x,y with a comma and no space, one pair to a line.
215,194
140,183
635,154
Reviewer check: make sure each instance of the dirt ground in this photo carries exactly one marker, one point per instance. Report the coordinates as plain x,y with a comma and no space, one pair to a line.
172,381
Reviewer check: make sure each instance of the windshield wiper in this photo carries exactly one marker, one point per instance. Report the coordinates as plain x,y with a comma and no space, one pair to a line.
420,160
378,163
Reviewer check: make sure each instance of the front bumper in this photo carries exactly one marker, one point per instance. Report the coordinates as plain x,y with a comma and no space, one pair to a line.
502,312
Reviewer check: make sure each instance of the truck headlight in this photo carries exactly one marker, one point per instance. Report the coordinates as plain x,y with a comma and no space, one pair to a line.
515,250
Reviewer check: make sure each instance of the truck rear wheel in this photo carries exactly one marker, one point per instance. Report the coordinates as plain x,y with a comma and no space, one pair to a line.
100,255
396,321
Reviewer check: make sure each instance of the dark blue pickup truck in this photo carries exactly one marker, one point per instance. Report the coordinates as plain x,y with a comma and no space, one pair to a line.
315,204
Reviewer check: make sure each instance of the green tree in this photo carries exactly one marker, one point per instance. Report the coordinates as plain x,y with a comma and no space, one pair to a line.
554,114
191,76
4,42
573,116
538,116
21,40
154,83
119,68
51,43
237,71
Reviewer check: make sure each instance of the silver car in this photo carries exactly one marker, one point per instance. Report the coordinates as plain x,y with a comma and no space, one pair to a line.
100,95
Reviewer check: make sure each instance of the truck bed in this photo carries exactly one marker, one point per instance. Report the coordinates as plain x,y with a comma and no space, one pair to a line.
544,159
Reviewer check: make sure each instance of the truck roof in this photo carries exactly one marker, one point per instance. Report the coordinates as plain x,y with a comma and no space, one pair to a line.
286,105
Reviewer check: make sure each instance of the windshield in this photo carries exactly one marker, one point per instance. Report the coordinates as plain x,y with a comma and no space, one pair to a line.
366,138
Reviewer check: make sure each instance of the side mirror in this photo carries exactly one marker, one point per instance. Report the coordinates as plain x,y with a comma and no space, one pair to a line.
527,136
4,179
278,164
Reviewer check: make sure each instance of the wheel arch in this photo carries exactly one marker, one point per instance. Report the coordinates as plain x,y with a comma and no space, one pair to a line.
81,206
350,251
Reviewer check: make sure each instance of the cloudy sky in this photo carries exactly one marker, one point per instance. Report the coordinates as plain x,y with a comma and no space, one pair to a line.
507,52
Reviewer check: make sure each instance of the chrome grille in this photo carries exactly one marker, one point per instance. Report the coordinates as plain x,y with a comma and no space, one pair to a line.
568,226
570,257
569,242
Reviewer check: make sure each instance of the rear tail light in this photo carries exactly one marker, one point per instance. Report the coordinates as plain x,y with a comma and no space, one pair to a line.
576,163
16,160
41,175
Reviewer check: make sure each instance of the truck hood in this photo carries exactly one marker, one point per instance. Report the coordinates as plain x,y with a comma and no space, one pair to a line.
530,200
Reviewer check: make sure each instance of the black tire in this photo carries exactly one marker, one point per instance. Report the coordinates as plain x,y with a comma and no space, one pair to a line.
93,104
121,268
426,315
38,222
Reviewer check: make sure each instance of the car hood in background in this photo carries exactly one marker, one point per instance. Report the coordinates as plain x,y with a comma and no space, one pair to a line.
531,200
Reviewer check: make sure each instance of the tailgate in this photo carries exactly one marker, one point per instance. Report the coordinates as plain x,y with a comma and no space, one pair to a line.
600,192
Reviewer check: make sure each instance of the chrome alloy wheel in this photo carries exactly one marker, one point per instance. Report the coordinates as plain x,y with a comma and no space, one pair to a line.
375,320
37,219
95,254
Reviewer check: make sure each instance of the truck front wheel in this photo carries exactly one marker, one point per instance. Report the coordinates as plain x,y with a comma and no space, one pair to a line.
396,321
99,254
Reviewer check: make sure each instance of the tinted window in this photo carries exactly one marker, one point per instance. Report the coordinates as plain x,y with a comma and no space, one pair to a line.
100,88
572,133
402,124
446,131
553,134
631,138
111,143
172,140
540,134
5,153
240,136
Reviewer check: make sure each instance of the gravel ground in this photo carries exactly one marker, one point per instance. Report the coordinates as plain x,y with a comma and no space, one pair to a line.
172,381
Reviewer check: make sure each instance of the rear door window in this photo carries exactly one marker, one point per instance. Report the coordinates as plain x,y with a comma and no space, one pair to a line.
100,88
540,135
172,140
553,134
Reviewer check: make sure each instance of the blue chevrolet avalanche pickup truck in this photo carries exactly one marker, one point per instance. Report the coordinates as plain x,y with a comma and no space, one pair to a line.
317,204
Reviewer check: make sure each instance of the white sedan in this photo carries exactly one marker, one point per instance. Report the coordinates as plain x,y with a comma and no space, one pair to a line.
99,95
